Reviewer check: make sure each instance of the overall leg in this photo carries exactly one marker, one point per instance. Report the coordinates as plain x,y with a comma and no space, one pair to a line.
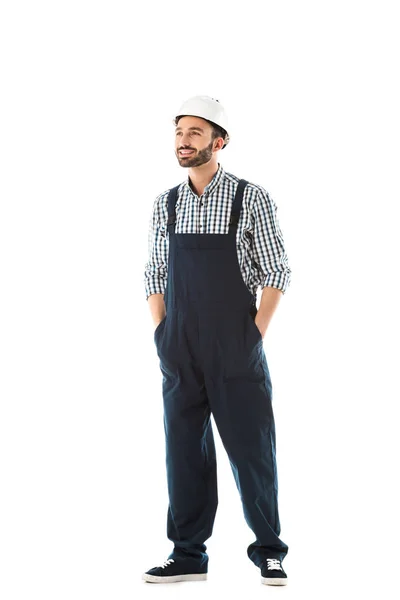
240,392
190,452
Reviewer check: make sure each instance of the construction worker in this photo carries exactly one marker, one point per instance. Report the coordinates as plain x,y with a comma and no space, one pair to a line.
213,241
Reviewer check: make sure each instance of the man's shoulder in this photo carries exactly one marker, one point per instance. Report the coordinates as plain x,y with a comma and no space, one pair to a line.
161,198
251,187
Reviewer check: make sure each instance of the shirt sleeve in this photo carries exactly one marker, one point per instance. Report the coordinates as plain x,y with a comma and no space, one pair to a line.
268,247
156,268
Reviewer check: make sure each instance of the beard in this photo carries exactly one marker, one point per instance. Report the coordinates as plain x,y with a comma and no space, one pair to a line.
203,156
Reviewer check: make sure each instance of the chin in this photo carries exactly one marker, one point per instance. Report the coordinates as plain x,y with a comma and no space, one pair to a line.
184,163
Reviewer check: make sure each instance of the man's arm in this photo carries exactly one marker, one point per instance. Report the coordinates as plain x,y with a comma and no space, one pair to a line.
157,308
269,301
156,268
270,256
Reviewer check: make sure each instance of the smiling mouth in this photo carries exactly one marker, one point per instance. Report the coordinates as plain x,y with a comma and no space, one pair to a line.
186,152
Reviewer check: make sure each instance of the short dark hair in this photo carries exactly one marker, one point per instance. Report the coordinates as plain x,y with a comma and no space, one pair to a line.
216,132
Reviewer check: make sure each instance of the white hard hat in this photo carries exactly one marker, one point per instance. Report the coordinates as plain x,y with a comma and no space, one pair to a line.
206,108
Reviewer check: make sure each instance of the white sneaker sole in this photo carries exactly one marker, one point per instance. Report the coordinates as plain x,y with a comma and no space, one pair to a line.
274,581
173,578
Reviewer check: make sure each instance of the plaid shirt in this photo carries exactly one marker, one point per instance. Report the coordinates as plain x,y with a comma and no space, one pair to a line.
259,241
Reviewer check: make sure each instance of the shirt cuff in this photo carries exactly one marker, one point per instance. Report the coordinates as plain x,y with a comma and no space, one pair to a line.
279,280
155,286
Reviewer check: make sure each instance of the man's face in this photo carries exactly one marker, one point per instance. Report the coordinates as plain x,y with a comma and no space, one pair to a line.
193,144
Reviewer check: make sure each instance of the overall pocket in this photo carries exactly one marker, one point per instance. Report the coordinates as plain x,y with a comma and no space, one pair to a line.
254,327
159,327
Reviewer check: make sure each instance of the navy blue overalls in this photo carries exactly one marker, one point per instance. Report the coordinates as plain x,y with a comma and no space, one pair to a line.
213,361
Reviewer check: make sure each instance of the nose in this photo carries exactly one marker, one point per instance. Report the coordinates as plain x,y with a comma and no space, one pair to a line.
184,141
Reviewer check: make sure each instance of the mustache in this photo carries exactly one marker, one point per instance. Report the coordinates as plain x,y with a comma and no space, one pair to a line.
186,149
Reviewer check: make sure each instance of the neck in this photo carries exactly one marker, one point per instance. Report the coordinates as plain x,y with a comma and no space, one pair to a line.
201,176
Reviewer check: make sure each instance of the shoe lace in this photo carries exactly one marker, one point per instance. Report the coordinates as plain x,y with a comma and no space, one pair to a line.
166,563
274,563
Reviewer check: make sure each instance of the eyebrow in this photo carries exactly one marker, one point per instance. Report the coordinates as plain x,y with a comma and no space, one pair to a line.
191,129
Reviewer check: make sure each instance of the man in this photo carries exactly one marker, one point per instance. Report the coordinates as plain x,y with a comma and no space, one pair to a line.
213,240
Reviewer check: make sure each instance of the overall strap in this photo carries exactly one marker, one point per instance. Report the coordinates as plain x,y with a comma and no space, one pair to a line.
237,204
172,198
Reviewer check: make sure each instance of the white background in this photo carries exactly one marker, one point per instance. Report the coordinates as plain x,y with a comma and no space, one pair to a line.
89,90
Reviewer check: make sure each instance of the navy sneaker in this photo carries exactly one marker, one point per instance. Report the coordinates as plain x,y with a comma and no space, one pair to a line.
173,570
272,572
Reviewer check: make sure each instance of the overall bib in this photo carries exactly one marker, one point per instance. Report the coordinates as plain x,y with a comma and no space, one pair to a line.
212,360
